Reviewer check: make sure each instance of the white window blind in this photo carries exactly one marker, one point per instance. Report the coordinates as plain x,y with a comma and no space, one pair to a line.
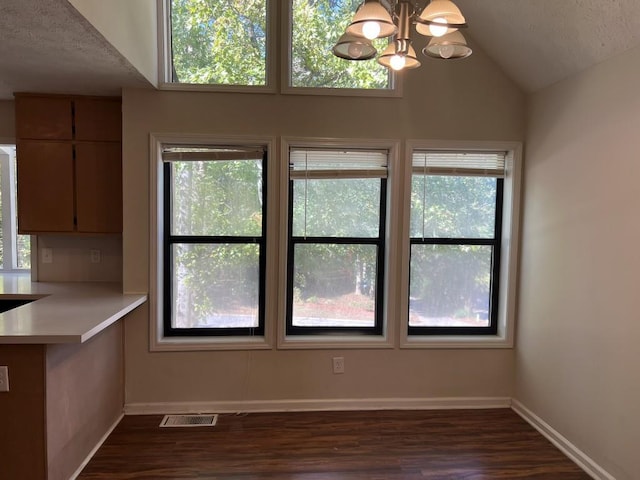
321,163
485,164
172,153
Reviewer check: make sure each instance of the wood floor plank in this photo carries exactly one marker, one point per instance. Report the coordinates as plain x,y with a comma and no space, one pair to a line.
372,445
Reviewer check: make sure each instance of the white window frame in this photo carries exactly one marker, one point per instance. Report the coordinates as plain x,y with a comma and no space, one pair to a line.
276,10
388,337
158,342
9,222
504,338
165,60
285,74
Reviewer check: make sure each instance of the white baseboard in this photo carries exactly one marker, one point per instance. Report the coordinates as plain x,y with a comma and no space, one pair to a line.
95,449
318,405
565,446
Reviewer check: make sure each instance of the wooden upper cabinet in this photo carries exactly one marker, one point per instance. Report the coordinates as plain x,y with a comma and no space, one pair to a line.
45,186
99,187
69,157
44,118
98,119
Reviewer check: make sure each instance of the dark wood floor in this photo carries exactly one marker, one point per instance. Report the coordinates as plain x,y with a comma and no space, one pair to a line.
371,445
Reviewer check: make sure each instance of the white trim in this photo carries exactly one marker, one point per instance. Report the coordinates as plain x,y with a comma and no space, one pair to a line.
388,339
580,458
96,448
8,191
350,404
156,341
509,250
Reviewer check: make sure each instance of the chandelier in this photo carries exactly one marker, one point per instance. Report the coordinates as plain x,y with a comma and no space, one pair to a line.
440,19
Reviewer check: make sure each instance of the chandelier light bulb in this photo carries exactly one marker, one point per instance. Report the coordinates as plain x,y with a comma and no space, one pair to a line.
446,51
371,30
397,62
355,50
438,30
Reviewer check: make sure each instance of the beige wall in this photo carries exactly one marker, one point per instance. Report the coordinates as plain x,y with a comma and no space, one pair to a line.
578,359
72,259
459,100
85,394
130,26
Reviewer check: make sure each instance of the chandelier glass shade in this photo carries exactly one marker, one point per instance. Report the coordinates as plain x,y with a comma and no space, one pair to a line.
372,20
449,46
440,19
353,47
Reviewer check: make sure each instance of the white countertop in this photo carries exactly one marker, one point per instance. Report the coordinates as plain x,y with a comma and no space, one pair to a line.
62,312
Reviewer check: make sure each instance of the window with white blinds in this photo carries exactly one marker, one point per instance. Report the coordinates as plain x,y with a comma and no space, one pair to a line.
455,241
355,236
337,209
214,213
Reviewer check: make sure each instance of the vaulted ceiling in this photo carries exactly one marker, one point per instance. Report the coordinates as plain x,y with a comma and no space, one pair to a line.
48,46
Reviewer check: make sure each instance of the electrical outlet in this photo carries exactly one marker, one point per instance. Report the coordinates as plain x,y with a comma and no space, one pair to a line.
47,255
338,364
4,379
95,256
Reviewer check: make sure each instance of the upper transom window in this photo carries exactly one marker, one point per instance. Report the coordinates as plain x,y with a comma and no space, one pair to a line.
231,46
316,26
218,42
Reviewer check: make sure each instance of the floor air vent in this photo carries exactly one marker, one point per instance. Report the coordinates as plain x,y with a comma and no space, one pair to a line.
189,421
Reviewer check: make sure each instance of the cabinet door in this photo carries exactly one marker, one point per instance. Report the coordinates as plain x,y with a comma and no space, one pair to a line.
47,118
98,119
45,186
99,187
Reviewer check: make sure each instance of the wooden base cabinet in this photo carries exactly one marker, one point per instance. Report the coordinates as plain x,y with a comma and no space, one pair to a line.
63,400
69,179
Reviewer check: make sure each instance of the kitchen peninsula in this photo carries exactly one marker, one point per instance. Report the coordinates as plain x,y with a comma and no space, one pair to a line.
64,353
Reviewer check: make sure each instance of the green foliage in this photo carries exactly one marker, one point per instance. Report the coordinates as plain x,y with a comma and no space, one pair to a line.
451,280
452,207
317,25
219,41
220,198
337,208
24,251
223,199
331,270
224,42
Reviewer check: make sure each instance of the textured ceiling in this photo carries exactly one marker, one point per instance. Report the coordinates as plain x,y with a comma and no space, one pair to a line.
539,42
47,46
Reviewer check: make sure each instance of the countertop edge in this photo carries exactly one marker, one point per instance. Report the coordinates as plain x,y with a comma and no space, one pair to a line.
114,318
64,314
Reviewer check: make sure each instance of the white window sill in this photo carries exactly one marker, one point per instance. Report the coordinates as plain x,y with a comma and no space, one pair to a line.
206,87
185,344
456,341
307,342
